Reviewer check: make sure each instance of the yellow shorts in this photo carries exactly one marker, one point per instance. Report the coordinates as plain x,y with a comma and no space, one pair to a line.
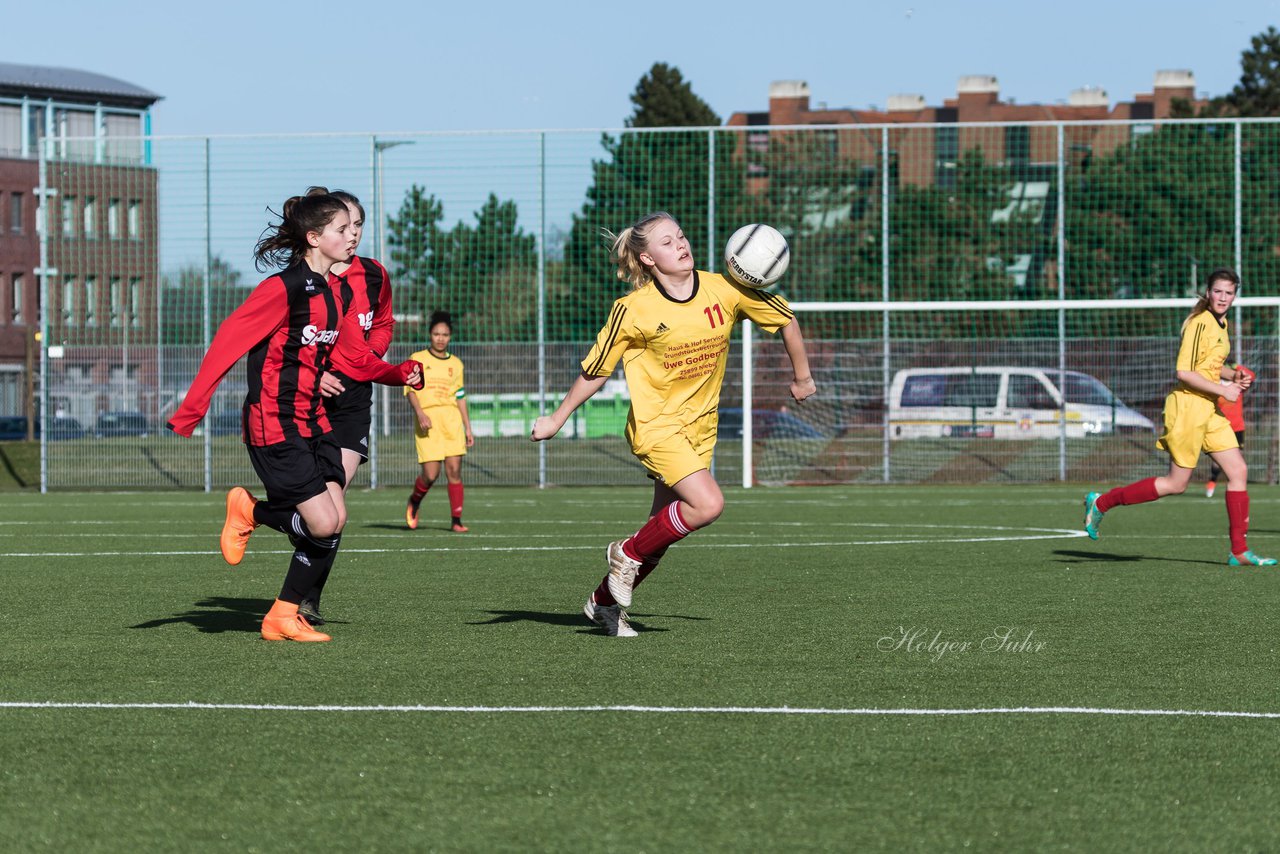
446,438
1193,424
674,458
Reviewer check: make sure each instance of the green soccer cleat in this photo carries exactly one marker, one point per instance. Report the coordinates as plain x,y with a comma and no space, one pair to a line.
1092,515
1250,559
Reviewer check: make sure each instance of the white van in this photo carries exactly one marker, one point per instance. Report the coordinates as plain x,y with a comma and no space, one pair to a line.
1005,402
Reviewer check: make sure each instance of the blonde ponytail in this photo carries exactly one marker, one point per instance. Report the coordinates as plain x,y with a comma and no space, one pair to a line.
626,247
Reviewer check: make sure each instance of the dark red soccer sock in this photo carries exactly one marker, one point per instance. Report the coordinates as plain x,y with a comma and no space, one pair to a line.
665,527
419,489
648,565
602,596
455,500
1238,520
1139,492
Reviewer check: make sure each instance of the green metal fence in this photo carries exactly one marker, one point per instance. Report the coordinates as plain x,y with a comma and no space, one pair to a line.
141,261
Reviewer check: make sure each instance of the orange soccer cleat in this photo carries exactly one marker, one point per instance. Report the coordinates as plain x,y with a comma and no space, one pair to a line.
238,526
411,514
283,622
459,528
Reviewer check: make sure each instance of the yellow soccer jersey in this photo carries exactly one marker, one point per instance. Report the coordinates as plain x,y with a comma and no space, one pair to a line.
441,380
674,353
1205,346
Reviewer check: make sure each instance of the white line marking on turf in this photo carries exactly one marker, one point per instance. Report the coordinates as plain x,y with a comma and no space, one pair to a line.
1054,535
666,710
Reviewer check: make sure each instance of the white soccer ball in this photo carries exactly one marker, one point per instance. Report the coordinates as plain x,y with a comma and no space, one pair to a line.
756,255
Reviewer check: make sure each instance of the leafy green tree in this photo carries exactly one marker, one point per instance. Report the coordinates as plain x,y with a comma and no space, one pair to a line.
183,296
483,274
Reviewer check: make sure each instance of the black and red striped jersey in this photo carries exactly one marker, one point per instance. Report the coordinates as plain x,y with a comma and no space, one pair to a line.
368,321
287,326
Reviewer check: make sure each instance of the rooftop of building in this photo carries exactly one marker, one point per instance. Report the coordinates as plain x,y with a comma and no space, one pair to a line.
71,84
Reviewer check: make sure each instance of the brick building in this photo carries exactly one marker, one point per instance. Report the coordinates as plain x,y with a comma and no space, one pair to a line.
99,250
928,155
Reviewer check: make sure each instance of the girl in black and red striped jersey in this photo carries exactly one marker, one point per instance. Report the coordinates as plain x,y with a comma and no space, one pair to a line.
288,327
366,332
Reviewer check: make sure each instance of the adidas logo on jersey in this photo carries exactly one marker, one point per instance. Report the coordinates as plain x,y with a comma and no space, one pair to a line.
662,327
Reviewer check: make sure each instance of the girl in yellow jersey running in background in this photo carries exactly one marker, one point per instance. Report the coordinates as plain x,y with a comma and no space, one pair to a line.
671,334
1192,422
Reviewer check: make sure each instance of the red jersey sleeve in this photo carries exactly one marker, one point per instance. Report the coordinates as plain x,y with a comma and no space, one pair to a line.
259,316
359,360
383,319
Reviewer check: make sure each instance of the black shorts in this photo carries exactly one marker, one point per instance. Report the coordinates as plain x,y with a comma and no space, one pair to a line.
297,469
349,415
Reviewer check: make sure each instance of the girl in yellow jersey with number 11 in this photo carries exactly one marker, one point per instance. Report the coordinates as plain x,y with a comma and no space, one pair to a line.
671,333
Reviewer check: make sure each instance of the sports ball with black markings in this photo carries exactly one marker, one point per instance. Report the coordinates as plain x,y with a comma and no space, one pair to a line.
756,255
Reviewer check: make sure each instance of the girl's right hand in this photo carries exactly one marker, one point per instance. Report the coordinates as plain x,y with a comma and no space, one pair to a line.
424,422
544,427
1232,392
801,389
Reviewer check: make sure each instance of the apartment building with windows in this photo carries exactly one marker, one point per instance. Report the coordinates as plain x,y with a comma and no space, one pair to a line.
98,251
932,138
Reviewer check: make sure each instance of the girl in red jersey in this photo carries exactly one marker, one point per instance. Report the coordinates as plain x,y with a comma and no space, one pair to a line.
288,327
366,332
671,334
1193,424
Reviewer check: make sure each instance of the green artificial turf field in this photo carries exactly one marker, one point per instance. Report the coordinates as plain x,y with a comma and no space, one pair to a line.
823,669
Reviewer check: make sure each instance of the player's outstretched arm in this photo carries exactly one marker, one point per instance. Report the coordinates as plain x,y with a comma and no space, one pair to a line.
579,393
802,384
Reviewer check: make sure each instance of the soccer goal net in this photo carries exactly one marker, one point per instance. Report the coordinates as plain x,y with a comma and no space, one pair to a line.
983,391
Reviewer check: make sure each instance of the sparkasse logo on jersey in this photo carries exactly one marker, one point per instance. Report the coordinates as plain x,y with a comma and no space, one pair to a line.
312,335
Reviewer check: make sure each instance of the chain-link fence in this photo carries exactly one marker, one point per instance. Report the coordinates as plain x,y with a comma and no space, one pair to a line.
144,252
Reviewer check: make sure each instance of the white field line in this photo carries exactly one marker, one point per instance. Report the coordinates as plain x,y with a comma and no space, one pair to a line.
666,710
1053,534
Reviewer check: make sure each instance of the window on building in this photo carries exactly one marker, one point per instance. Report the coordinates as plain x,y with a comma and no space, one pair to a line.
68,301
135,219
15,213
69,216
946,141
76,129
113,218
116,294
1017,145
90,217
90,301
135,299
124,142
15,299
10,131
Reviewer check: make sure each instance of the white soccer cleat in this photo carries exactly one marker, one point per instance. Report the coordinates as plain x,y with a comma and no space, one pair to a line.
622,574
610,617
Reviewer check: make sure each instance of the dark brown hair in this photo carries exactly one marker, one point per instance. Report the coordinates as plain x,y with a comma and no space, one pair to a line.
285,244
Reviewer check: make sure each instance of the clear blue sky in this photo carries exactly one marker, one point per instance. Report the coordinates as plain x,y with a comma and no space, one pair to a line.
407,65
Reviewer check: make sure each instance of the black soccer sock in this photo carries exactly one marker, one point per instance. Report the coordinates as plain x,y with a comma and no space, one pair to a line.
316,589
274,516
312,559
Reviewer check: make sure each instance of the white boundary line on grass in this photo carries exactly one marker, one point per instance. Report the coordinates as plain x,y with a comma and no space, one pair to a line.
666,710
1052,534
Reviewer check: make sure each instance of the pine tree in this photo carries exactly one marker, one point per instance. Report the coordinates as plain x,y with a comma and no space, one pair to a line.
1258,92
641,173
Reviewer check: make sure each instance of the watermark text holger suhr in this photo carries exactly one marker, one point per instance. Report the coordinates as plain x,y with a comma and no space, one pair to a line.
935,644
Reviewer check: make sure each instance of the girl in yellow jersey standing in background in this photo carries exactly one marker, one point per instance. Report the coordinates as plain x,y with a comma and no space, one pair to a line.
671,333
441,426
1193,424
